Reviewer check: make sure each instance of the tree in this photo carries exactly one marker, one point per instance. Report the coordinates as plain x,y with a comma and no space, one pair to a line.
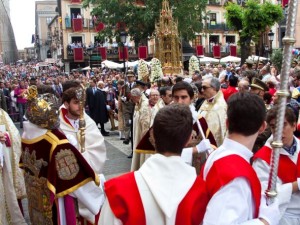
251,21
276,59
139,20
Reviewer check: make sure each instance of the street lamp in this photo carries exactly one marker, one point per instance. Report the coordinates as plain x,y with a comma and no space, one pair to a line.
123,37
271,38
266,50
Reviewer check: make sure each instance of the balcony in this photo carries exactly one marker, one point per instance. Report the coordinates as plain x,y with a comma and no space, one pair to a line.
111,53
86,23
214,2
218,26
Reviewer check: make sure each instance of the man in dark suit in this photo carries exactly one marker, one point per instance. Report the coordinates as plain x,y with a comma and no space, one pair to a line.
90,98
101,113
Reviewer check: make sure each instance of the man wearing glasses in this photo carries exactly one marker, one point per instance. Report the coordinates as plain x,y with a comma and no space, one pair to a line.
214,108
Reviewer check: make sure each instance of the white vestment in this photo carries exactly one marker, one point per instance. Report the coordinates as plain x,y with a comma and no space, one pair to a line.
215,115
233,203
95,150
141,124
289,203
162,183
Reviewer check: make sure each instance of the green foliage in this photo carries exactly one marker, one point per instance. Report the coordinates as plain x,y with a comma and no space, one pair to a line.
252,20
276,58
140,21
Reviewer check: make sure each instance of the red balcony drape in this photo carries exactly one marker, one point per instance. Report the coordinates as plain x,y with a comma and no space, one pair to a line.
99,27
77,24
76,1
102,52
143,53
217,51
121,53
233,51
78,55
199,50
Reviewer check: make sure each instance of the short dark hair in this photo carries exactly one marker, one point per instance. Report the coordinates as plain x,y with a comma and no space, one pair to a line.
233,81
69,94
178,79
182,85
176,128
289,115
246,113
70,84
163,90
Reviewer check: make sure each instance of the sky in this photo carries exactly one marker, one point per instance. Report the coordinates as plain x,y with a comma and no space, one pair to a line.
22,19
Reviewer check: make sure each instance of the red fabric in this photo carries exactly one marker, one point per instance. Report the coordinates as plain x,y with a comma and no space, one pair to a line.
208,134
128,208
272,91
192,208
102,52
146,145
228,92
70,210
121,26
287,170
121,53
285,2
199,50
143,53
217,51
78,55
226,169
233,50
75,1
99,27
77,24
7,142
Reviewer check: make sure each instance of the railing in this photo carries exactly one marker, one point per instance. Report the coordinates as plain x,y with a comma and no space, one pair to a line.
86,23
114,51
218,26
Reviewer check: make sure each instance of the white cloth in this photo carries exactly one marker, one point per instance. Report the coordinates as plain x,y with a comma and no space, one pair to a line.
95,149
289,204
90,196
141,124
8,195
1,155
233,203
162,183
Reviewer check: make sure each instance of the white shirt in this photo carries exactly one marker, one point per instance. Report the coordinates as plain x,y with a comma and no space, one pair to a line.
233,203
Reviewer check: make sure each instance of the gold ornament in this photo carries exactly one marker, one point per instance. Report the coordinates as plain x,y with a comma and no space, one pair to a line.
42,110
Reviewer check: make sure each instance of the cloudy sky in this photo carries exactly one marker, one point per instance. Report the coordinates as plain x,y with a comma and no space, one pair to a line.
22,18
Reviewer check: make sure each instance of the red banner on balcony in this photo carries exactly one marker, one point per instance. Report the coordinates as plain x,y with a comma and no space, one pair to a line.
102,52
143,53
77,24
122,54
78,54
75,1
99,27
284,3
199,50
217,51
121,26
233,50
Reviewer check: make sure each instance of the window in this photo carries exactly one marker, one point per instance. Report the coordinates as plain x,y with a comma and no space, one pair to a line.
213,18
48,20
74,12
197,41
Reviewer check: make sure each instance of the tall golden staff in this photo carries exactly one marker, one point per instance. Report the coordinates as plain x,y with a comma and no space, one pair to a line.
80,95
288,42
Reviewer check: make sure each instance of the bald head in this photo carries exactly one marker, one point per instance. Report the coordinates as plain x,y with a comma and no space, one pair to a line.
243,85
